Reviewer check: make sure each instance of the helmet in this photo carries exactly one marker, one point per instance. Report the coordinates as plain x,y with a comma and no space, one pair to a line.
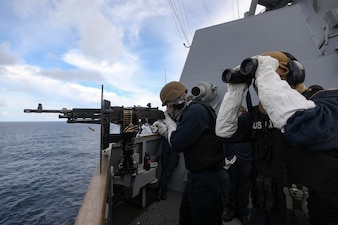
172,91
282,59
295,73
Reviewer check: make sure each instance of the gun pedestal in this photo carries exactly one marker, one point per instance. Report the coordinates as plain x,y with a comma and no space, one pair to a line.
127,163
136,183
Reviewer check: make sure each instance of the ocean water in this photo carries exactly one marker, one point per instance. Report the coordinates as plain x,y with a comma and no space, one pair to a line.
45,170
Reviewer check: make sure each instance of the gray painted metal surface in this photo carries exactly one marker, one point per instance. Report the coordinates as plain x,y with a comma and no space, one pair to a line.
297,29
307,29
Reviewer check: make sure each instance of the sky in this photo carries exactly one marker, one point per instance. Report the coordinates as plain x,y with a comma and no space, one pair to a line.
60,52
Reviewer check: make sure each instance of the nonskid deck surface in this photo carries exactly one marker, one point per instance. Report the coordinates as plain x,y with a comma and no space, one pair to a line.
164,212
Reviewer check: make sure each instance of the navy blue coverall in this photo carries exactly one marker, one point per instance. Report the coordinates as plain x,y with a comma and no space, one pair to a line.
239,176
169,160
204,194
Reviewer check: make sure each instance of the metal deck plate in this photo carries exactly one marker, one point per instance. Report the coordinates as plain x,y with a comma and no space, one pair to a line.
164,212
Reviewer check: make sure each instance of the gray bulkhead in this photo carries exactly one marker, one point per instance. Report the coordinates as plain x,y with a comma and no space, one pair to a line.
307,29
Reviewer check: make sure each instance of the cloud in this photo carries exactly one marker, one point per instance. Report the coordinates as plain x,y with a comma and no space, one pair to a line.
75,75
60,52
6,56
97,38
2,103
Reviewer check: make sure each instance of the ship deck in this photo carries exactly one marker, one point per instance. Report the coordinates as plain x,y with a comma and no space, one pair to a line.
164,212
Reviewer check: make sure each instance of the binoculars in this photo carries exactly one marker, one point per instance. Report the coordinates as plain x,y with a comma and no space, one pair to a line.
243,75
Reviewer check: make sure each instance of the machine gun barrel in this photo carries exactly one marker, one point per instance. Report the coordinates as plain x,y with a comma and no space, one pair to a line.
41,110
76,115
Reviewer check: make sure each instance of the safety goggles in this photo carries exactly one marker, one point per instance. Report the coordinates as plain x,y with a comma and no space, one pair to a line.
177,103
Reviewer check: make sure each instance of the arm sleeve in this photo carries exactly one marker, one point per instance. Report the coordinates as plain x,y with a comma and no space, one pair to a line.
316,127
278,99
227,117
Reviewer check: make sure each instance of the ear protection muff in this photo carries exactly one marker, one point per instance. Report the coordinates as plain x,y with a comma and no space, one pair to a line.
296,73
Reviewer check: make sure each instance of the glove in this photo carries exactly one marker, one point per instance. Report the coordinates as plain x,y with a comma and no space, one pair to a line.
278,99
227,118
228,162
160,128
171,125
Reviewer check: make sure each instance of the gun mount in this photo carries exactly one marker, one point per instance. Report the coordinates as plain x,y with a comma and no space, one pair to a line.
130,120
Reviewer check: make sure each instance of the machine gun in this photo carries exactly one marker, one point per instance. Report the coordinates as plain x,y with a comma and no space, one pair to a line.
130,120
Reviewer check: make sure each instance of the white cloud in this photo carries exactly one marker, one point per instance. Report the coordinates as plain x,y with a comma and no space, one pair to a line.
98,39
60,52
6,55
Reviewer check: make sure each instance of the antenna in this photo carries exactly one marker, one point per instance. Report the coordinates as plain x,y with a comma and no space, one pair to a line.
165,76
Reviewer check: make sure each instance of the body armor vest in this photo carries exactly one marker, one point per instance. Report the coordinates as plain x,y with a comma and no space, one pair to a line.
207,152
281,167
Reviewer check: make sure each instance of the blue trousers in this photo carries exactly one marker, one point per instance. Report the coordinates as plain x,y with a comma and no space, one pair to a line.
204,197
239,189
169,160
